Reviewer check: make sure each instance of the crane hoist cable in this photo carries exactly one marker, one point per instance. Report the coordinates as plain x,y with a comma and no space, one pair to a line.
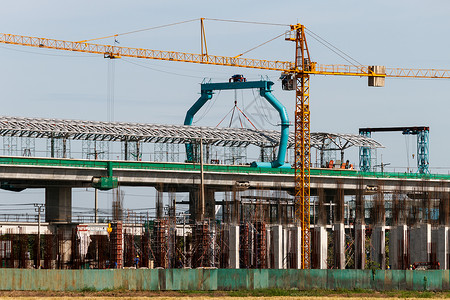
261,107
232,111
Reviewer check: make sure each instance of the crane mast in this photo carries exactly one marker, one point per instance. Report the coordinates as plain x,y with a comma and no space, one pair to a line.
302,141
298,72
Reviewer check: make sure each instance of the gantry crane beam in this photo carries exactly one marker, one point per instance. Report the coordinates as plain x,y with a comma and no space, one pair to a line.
300,69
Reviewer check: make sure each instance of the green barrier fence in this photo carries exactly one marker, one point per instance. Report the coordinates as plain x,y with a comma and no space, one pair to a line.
221,279
79,163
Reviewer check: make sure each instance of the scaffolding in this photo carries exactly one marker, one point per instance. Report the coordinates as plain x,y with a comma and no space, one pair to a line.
160,243
116,244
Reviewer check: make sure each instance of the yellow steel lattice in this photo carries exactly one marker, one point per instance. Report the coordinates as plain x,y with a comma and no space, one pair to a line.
302,146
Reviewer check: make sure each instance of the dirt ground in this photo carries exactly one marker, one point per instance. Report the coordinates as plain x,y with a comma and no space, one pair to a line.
197,297
187,298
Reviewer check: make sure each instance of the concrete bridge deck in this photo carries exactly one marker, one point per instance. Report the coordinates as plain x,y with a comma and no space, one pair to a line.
26,172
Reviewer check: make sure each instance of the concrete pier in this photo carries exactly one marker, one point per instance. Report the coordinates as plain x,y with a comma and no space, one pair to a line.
378,250
296,247
399,248
360,246
277,245
440,247
268,247
339,245
420,243
320,250
58,204
234,247
285,247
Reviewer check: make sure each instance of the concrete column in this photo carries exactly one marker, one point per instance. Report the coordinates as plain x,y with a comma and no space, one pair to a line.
398,247
65,247
297,240
159,202
360,246
210,205
58,204
268,247
441,247
285,246
234,247
378,250
277,246
339,245
193,205
420,243
320,253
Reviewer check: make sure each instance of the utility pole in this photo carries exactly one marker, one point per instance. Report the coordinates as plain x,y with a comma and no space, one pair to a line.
39,208
202,184
96,207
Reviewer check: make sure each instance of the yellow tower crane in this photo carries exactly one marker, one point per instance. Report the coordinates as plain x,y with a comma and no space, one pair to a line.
295,76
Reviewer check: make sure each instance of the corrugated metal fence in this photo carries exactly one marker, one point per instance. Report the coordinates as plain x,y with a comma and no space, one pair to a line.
221,279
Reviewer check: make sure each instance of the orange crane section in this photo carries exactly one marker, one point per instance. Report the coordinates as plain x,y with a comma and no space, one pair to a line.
298,72
110,51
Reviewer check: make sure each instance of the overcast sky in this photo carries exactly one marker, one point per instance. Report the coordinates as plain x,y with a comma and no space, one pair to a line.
55,84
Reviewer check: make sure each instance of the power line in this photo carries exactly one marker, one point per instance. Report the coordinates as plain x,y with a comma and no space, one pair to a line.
139,30
157,70
262,44
334,49
48,54
247,22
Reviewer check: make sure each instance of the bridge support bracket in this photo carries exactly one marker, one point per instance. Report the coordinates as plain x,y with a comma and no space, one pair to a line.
105,183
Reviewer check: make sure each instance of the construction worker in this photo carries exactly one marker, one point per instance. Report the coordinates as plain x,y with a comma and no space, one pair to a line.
136,261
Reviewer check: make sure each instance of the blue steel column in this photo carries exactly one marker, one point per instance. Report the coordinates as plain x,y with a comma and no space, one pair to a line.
423,151
265,88
365,155
281,109
205,96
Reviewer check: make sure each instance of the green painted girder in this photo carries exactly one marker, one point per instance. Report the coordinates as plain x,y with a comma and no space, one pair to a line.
139,165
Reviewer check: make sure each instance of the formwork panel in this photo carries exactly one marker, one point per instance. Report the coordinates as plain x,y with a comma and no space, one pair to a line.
427,280
279,278
445,280
162,279
398,280
169,280
151,280
221,279
409,280
177,279
97,279
314,279
232,279
191,278
209,280
261,278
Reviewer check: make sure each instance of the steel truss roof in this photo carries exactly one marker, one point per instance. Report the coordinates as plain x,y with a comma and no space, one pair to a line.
156,133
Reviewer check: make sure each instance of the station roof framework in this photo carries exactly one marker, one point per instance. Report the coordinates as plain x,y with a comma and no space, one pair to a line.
173,134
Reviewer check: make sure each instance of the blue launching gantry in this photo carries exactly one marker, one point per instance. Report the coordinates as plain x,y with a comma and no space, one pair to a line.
423,146
238,82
